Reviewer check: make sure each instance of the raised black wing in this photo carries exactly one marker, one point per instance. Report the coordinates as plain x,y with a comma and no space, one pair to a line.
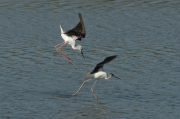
101,64
96,69
79,30
106,60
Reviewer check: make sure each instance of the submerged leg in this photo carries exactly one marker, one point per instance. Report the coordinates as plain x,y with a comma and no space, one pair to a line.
81,87
93,91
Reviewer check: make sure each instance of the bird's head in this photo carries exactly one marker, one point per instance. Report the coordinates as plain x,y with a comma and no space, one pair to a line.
112,75
81,50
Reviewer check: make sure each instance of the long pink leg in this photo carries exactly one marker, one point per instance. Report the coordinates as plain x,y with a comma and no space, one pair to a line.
64,55
63,43
61,46
60,50
58,44
93,91
81,87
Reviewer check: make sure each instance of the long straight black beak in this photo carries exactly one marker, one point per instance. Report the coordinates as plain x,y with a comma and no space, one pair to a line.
82,54
116,77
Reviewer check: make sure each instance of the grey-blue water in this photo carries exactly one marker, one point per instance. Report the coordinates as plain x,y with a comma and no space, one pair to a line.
36,82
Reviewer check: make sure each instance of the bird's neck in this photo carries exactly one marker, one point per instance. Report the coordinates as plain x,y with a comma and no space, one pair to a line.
75,47
108,77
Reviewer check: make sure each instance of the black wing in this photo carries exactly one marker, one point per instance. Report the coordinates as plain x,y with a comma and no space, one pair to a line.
106,60
79,30
96,69
101,64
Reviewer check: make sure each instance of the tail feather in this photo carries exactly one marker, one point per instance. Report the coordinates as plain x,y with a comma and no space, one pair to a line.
61,30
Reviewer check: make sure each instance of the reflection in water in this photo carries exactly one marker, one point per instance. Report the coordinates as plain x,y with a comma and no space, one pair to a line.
97,111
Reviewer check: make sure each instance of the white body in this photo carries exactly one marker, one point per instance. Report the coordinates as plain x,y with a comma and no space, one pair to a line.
70,40
101,74
98,75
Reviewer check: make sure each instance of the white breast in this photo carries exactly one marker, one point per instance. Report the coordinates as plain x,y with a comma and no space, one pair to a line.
68,39
100,75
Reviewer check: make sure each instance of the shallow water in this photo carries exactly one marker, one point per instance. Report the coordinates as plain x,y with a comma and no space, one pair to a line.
36,81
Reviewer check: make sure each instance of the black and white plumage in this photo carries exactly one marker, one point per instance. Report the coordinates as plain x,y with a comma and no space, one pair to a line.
71,36
78,31
101,64
97,74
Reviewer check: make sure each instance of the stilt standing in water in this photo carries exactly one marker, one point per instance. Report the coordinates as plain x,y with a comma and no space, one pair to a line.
98,74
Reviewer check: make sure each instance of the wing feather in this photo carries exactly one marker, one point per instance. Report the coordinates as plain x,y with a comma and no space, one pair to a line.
79,30
107,59
101,64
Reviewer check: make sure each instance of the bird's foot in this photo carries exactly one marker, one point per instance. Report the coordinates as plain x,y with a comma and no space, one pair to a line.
73,94
70,62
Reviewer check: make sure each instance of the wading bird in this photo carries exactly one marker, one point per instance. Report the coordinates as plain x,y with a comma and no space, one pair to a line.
96,74
71,36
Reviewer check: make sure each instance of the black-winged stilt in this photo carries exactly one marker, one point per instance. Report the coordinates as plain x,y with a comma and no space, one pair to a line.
71,36
98,74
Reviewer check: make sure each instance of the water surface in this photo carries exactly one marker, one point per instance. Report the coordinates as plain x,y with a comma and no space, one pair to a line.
36,81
